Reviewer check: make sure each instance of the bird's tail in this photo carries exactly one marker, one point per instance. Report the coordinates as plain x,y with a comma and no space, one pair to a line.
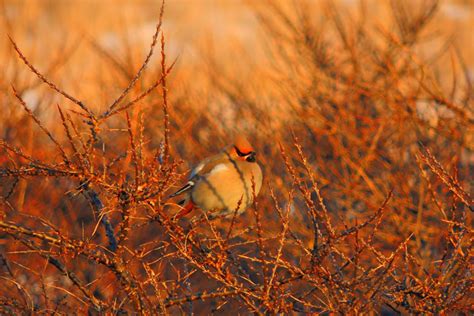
186,205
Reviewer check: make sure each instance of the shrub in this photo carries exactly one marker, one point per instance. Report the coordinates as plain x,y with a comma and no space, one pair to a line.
366,147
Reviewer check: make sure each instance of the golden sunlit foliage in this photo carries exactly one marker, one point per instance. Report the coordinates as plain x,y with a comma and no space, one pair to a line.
361,113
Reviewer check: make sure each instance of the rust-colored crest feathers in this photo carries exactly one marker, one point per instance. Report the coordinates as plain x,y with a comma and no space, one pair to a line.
243,144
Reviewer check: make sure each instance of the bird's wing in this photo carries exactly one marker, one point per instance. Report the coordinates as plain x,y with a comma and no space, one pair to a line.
202,168
188,186
207,165
196,169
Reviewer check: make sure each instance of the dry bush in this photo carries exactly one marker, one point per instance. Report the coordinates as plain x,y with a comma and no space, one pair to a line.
363,118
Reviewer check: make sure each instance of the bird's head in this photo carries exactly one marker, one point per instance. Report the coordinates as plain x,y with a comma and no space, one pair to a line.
242,150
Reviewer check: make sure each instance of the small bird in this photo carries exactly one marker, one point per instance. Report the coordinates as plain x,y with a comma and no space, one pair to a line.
223,182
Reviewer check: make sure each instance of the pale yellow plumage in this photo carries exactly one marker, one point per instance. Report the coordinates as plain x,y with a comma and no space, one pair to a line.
225,182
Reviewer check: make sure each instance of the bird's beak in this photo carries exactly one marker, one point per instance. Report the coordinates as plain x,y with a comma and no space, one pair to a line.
251,157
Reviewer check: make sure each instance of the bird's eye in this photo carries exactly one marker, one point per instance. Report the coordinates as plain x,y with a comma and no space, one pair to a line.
251,157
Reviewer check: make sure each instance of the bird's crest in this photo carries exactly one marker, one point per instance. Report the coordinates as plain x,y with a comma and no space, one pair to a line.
242,144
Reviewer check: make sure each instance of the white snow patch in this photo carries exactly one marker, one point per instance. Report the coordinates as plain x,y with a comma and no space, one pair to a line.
456,11
31,99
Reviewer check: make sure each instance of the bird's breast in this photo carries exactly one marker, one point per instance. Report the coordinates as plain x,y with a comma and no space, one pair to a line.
228,186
